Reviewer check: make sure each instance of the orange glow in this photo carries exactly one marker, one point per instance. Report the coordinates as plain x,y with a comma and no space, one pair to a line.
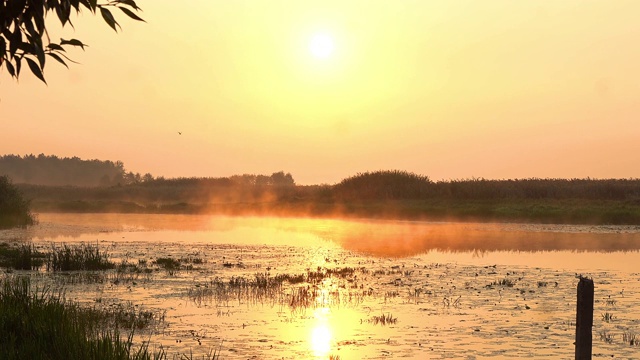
451,90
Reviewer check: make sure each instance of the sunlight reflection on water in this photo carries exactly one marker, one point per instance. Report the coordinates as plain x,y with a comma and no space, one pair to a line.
320,337
438,284
565,246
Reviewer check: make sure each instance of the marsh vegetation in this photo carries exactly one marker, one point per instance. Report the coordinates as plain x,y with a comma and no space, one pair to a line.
187,295
39,323
383,194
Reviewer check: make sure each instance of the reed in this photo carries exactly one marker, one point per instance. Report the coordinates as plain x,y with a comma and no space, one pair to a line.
630,338
41,324
78,257
21,257
607,317
383,319
506,282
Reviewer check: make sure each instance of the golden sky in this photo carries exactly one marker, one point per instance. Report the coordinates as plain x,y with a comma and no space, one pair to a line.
448,89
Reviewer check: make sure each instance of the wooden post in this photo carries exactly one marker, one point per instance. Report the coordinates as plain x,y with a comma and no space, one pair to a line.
584,319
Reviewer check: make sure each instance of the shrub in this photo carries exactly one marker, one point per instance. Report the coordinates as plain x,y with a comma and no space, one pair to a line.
14,209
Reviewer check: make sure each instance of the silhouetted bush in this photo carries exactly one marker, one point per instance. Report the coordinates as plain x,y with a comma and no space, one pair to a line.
14,209
383,185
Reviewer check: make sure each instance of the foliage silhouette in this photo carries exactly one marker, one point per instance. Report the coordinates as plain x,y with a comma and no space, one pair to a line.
14,209
24,36
52,170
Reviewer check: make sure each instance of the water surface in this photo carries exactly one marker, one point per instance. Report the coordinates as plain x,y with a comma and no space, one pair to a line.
455,290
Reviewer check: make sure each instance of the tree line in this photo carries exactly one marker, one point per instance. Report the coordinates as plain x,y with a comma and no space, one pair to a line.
54,171
399,185
50,170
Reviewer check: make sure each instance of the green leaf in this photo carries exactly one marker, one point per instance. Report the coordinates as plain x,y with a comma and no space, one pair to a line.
31,29
53,46
108,17
58,58
68,59
40,22
35,69
10,68
87,4
27,47
131,14
18,61
75,4
15,40
73,42
62,15
37,46
130,3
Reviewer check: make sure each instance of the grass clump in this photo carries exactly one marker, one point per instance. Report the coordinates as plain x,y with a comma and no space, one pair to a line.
38,324
607,317
78,257
631,338
382,319
506,282
22,257
170,265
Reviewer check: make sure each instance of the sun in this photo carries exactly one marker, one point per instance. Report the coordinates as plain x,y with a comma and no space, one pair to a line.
321,45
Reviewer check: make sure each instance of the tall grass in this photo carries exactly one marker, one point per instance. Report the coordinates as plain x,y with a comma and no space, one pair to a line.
22,257
40,324
78,257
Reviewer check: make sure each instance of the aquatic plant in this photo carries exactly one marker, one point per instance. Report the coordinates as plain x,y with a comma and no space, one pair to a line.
629,337
382,319
78,257
22,257
607,337
168,263
40,324
607,317
503,282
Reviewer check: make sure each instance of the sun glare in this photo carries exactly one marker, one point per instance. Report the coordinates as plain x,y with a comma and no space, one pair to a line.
321,340
321,46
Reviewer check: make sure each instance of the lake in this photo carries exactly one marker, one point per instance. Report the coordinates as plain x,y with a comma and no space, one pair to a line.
356,289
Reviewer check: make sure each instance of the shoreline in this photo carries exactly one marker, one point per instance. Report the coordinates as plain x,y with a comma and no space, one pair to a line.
569,211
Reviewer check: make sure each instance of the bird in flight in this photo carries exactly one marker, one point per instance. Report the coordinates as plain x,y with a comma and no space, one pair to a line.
179,132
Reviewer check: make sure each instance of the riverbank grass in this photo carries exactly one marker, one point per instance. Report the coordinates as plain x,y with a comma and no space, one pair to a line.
40,324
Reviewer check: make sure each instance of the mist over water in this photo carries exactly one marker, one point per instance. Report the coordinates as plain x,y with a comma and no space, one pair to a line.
580,246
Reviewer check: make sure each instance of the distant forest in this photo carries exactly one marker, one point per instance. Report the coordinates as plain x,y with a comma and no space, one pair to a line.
54,171
52,184
50,170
